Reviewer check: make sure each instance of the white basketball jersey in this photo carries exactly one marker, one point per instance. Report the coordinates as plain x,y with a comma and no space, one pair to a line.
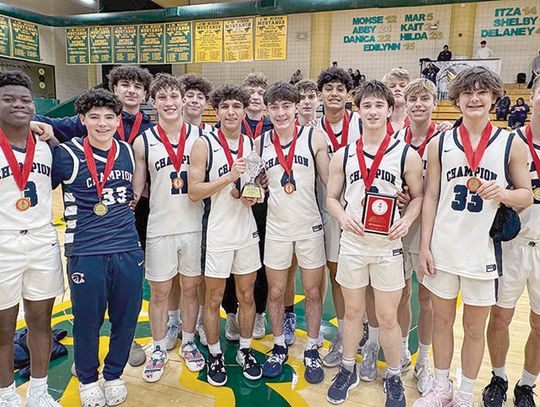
293,216
206,127
460,243
38,190
530,216
227,223
388,181
171,210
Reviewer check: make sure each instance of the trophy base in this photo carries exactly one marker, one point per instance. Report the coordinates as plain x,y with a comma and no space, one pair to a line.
251,191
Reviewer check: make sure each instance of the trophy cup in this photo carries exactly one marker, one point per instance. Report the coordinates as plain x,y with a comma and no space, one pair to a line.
254,165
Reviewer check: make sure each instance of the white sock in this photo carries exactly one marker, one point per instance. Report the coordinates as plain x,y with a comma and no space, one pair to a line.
9,389
162,343
311,343
214,349
187,337
373,335
443,377
404,346
423,353
279,340
527,379
500,372
38,385
340,327
348,363
467,385
245,343
393,371
174,316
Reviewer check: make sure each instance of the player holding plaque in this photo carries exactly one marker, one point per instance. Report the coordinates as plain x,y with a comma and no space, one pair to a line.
381,165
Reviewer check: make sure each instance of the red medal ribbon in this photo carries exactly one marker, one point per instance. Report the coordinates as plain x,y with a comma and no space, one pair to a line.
20,175
422,146
344,132
474,157
201,125
296,122
390,129
178,157
134,130
91,163
285,163
536,159
227,149
258,128
369,176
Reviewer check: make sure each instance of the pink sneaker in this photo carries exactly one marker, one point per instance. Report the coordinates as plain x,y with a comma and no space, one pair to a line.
437,396
463,400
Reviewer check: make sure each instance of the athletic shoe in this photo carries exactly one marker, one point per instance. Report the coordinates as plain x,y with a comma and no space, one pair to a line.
153,370
232,332
424,379
365,336
494,394
136,355
437,396
395,393
289,327
368,368
335,353
215,369
259,327
314,372
115,392
12,399
173,329
406,362
92,395
463,400
202,334
524,396
191,355
40,399
251,369
343,382
273,367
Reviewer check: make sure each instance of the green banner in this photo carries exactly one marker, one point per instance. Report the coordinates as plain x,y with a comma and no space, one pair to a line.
25,37
151,44
178,42
125,44
77,45
100,45
5,37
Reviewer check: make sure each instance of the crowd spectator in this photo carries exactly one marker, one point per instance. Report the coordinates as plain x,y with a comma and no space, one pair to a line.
430,72
483,52
502,108
518,114
356,78
445,54
296,77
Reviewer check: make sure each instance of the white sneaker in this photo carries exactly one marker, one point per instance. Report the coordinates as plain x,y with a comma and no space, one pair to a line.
191,355
153,370
202,334
232,332
406,362
424,379
259,327
41,399
92,395
11,399
115,392
172,335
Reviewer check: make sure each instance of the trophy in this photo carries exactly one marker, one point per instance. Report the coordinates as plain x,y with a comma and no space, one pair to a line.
254,165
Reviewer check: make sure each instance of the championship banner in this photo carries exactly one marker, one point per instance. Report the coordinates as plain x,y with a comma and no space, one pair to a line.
5,37
125,44
25,37
151,44
238,40
77,45
271,38
101,45
178,42
209,41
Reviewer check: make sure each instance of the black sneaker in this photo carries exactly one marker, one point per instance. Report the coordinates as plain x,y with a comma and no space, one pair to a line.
273,367
494,394
343,382
395,393
314,371
251,368
365,336
215,369
524,396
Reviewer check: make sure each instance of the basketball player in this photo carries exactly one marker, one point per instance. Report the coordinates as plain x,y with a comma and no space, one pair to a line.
341,127
31,269
397,80
174,242
230,238
521,268
104,258
293,224
420,100
366,258
468,171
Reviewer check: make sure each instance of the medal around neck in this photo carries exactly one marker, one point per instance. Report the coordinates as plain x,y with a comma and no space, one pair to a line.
254,166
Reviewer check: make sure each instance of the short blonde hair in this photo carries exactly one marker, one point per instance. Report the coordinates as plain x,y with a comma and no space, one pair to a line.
420,85
396,74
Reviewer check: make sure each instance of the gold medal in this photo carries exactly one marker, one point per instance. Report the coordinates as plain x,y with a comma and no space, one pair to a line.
100,209
289,188
177,183
536,194
235,193
473,184
22,204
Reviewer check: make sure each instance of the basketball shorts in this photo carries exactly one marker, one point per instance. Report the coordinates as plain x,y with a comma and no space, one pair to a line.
309,253
31,266
221,264
411,263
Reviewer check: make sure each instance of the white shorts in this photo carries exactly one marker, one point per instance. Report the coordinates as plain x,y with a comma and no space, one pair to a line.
31,266
332,234
166,256
411,263
481,293
309,253
385,273
521,267
221,264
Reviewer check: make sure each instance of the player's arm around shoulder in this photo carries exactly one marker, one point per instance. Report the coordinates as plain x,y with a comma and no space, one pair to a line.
521,195
62,166
322,159
139,177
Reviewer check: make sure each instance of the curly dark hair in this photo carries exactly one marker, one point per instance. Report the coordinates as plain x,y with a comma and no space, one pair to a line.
129,73
281,91
196,82
334,74
474,78
17,78
229,92
164,81
306,86
98,98
374,88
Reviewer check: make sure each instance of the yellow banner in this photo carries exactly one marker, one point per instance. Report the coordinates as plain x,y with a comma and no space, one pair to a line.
271,38
208,41
238,40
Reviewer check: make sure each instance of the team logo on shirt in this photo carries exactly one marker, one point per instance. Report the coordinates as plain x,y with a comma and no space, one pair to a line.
77,278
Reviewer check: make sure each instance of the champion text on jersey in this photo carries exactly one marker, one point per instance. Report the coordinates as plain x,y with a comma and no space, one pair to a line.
36,167
166,161
297,160
465,171
381,174
115,174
